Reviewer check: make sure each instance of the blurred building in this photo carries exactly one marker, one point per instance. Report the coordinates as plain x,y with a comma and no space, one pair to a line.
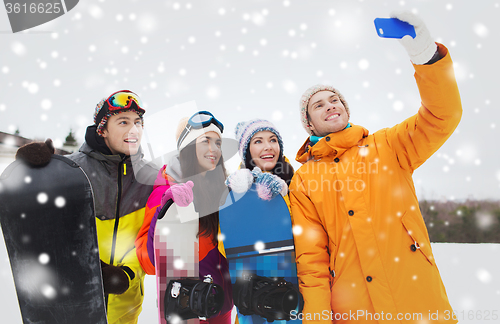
9,143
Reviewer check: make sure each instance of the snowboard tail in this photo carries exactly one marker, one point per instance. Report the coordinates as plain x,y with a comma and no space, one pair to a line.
48,223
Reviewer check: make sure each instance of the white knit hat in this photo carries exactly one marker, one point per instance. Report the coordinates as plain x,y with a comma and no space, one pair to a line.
304,102
193,133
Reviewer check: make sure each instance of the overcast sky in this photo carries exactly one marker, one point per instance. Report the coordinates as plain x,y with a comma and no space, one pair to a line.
253,59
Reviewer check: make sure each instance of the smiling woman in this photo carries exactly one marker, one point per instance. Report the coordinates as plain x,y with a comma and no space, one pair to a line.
265,150
261,145
199,161
208,151
263,162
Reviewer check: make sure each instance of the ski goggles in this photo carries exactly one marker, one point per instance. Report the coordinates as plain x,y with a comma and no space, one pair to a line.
118,102
199,120
122,100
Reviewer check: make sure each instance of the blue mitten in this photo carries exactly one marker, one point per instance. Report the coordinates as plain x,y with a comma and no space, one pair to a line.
269,185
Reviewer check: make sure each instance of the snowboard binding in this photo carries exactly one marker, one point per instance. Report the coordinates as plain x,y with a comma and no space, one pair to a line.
192,298
271,298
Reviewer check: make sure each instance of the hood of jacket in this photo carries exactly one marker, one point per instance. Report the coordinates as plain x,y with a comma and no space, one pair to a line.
334,144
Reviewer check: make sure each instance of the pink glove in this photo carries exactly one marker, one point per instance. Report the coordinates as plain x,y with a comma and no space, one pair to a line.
181,194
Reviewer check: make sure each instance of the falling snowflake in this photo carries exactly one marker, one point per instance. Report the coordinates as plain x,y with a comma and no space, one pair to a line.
213,92
398,105
43,258
60,202
484,221
18,48
484,276
178,264
277,115
289,86
297,230
259,246
481,30
33,88
363,64
95,12
258,19
46,104
48,291
42,198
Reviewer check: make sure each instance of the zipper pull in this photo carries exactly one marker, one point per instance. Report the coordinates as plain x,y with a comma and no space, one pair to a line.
124,169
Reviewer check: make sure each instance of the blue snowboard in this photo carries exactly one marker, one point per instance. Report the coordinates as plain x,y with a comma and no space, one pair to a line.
258,239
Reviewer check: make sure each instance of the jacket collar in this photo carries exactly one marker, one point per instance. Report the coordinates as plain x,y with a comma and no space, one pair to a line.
334,144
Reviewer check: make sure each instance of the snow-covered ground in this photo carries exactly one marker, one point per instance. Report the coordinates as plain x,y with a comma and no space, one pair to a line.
471,274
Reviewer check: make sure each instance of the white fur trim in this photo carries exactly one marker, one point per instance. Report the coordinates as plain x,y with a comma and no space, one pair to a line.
240,181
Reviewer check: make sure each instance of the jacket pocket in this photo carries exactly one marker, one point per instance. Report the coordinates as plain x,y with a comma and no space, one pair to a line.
332,250
415,227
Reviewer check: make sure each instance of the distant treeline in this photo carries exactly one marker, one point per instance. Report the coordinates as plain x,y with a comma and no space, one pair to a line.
471,221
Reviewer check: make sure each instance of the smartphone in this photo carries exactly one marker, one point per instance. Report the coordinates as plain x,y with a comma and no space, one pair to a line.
393,28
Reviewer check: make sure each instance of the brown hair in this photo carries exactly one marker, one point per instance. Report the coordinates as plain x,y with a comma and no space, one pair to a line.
207,190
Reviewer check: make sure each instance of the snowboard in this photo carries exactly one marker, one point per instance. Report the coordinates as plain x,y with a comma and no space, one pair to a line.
258,239
176,251
48,223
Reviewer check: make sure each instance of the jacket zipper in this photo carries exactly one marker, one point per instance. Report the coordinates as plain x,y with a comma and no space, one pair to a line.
117,219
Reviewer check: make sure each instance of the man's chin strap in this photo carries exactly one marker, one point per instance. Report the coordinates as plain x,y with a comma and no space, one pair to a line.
315,139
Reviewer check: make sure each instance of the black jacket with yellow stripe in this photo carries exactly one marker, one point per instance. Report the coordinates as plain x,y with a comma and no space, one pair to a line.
121,186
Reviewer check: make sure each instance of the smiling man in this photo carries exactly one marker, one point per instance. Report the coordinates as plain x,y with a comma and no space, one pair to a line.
362,248
121,182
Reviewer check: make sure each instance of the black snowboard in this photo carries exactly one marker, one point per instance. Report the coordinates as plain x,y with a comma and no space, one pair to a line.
48,223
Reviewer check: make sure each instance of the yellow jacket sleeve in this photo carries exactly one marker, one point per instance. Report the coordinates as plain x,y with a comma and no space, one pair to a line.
419,136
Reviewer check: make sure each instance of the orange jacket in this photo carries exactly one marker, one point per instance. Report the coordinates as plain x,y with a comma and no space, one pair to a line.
363,247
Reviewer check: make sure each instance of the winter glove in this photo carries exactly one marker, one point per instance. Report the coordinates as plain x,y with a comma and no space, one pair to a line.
421,48
116,279
268,185
36,153
182,195
240,181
